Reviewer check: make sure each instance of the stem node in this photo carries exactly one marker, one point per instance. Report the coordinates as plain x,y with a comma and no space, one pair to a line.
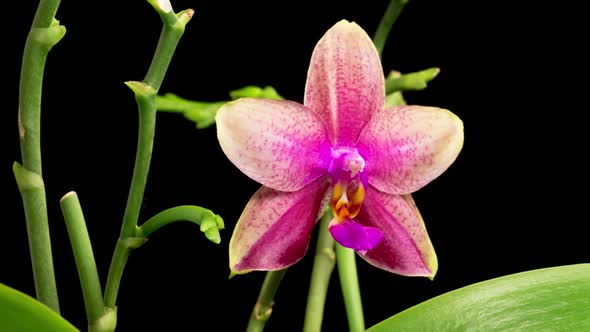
27,180
48,37
133,242
141,89
263,311
330,253
107,322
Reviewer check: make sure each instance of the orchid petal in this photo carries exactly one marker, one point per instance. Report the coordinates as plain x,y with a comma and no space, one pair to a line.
274,230
275,142
406,248
345,84
407,147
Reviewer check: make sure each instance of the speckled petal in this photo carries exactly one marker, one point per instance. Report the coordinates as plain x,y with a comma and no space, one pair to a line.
406,248
345,84
407,147
275,142
275,227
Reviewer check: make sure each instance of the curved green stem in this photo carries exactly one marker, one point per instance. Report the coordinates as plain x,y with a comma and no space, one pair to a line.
84,257
145,95
44,34
263,308
391,14
345,260
209,222
323,265
147,126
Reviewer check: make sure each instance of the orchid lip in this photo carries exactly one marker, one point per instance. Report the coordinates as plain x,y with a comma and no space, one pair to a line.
353,235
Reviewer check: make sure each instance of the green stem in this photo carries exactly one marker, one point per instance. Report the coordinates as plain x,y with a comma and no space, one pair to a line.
147,125
44,34
209,222
84,257
145,95
391,14
323,265
174,104
263,308
345,260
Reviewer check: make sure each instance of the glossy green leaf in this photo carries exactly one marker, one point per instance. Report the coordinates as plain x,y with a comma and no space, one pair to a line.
552,299
21,313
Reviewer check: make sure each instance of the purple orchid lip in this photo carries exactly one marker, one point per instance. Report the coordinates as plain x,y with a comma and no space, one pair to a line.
353,235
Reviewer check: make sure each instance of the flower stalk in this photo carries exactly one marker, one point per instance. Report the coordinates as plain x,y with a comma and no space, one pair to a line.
145,96
209,223
44,34
323,265
391,14
349,282
263,308
84,257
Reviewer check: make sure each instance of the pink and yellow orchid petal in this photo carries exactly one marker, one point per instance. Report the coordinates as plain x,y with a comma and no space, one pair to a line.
275,142
345,84
407,147
406,248
274,230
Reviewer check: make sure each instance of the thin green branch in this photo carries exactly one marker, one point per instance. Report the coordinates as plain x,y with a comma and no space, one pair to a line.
349,282
44,34
263,308
84,257
209,222
395,81
391,14
145,95
323,265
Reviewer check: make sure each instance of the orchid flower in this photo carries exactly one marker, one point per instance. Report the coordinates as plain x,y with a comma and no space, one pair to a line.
343,148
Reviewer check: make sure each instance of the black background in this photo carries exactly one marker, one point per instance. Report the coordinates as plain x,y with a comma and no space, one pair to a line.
513,200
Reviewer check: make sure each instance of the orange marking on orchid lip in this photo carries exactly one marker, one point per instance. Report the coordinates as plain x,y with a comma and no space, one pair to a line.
347,199
340,201
356,199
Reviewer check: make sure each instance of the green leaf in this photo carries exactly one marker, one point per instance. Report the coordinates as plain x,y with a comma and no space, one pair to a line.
21,313
552,299
396,81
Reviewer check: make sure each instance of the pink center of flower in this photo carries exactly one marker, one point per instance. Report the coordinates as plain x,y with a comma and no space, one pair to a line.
349,179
